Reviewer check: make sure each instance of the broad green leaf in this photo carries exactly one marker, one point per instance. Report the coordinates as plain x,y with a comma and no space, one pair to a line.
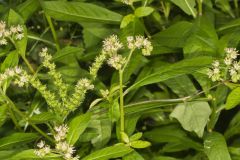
164,158
136,136
27,8
30,155
114,112
124,137
126,20
183,67
10,61
80,12
172,134
77,126
233,98
103,128
118,150
193,116
229,26
215,147
174,37
233,127
143,11
42,117
182,86
66,52
17,138
187,6
140,144
133,156
203,40
3,113
224,5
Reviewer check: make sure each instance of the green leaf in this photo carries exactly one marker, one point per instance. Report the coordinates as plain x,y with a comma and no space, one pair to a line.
224,6
124,137
103,128
126,20
136,136
3,113
215,147
203,40
30,155
140,144
193,116
66,52
182,86
174,37
233,98
172,134
164,158
80,12
77,126
183,67
114,112
118,150
133,156
233,127
143,11
10,61
27,8
187,6
42,117
17,138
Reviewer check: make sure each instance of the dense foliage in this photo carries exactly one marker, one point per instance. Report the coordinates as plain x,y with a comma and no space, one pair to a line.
130,79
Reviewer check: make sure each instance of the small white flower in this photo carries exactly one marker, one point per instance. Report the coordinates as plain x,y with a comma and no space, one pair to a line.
216,64
116,61
228,61
13,29
236,66
19,36
41,144
112,44
3,41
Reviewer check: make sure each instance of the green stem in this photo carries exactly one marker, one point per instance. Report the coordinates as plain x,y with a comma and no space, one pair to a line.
236,7
22,55
199,7
121,96
24,117
53,32
121,105
28,64
14,119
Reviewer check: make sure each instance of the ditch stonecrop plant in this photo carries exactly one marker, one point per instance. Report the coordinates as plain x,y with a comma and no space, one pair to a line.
119,79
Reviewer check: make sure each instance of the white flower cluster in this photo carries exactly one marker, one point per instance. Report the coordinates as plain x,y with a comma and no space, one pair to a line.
214,73
232,54
42,150
127,2
13,32
231,65
140,42
61,147
21,76
116,61
112,44
104,93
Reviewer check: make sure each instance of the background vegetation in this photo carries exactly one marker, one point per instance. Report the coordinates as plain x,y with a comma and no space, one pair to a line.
168,96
